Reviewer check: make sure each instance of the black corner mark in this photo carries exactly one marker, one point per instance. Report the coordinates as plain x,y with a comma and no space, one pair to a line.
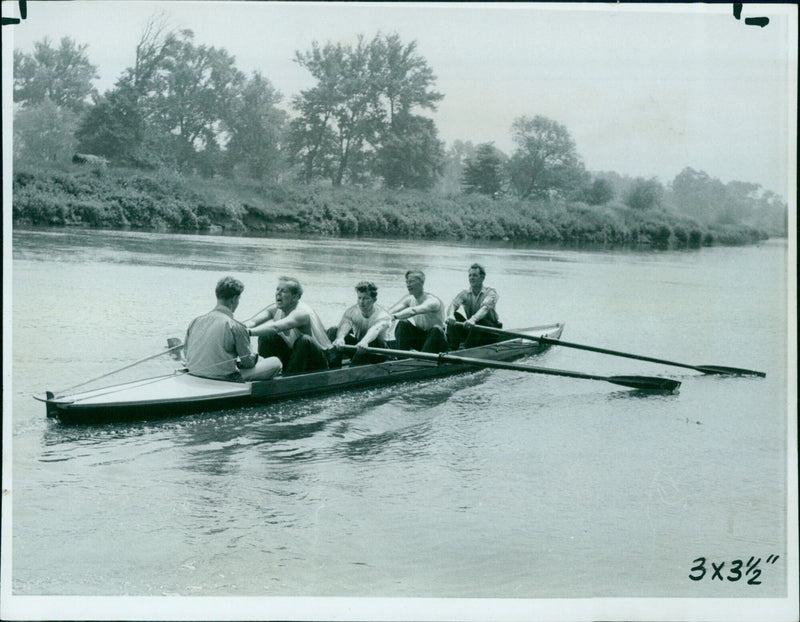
750,21
23,12
756,21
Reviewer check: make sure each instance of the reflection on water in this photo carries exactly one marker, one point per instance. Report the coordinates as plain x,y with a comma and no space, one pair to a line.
488,484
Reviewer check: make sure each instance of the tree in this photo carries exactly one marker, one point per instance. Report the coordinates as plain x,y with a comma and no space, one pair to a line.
360,114
408,151
599,193
403,79
44,131
645,194
120,124
63,75
256,128
338,113
698,194
483,172
773,213
114,127
546,162
193,97
411,155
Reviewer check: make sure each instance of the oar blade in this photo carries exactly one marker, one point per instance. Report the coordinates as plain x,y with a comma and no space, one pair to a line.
646,383
729,371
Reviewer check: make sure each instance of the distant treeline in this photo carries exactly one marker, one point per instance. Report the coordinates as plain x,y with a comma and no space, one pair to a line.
115,198
184,140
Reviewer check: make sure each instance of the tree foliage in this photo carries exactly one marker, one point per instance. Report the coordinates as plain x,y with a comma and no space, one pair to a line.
411,155
599,193
62,75
256,127
711,201
359,116
483,172
546,162
44,131
194,95
645,194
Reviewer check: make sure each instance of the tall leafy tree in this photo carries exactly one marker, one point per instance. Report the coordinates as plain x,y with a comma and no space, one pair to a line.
171,106
411,155
114,127
256,126
198,88
60,74
338,114
362,110
120,124
403,78
483,172
546,161
408,150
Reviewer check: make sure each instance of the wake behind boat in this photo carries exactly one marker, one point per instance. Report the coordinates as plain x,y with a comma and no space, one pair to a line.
179,393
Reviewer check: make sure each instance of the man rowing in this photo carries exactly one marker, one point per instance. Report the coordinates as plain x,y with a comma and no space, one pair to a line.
291,330
217,346
479,305
363,325
421,317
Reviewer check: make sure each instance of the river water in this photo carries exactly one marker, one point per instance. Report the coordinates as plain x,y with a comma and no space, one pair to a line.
494,484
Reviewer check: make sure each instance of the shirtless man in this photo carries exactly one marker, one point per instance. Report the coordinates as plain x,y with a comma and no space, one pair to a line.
291,330
365,324
421,317
479,305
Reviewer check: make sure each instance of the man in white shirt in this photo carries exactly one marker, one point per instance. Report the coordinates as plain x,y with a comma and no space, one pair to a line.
291,330
365,324
479,304
421,317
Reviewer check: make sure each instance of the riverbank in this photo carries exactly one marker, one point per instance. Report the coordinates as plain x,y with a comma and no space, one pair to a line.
163,201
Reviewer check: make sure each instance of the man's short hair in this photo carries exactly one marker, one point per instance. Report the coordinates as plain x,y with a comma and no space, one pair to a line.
293,285
228,287
479,268
369,287
417,273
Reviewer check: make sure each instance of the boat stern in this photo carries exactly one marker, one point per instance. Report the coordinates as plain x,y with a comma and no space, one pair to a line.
49,402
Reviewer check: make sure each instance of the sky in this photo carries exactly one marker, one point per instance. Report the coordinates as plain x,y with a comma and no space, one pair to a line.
644,90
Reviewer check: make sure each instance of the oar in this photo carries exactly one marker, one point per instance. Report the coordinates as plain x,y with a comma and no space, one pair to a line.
170,349
706,369
644,383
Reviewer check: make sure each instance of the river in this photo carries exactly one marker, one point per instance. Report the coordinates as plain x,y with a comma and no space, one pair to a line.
494,484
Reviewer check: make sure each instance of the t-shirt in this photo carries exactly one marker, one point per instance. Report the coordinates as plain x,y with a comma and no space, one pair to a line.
487,297
431,319
213,342
360,324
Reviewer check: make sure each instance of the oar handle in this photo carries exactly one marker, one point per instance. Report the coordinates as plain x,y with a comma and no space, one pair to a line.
706,369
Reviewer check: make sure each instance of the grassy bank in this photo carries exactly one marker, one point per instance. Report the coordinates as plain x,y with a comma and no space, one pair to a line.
117,198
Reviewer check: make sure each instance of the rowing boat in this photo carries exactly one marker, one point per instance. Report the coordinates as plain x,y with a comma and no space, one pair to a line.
179,393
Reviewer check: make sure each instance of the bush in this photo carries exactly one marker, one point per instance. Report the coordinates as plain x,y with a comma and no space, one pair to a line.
119,198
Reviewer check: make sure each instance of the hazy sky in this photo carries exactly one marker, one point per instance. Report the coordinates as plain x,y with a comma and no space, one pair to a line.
644,90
